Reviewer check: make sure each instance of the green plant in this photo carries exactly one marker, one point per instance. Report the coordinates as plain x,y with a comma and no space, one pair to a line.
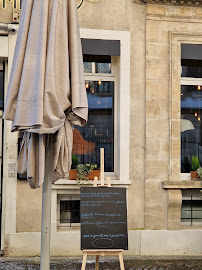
75,162
199,172
195,163
84,170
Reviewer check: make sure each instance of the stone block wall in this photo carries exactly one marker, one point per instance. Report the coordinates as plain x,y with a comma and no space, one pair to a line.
166,28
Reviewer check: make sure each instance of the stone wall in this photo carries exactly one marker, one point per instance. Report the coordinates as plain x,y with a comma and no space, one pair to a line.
7,8
28,208
166,28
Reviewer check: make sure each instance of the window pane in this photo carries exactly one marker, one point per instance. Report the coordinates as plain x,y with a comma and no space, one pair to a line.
191,68
97,64
191,209
99,130
191,126
70,211
1,89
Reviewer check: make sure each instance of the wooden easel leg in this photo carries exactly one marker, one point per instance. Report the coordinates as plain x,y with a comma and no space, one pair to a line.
97,263
121,261
84,261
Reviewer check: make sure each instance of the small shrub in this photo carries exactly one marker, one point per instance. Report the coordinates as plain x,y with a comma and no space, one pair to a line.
84,170
195,163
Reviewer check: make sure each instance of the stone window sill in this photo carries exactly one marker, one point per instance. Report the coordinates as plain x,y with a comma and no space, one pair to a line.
183,184
68,184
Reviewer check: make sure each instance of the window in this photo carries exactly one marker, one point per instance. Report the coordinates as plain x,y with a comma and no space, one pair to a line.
68,211
191,105
99,131
107,75
191,211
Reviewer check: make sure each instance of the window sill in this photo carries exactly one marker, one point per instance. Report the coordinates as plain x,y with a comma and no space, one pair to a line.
66,183
185,176
183,184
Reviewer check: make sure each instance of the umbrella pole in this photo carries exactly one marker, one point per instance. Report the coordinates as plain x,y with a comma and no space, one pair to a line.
46,211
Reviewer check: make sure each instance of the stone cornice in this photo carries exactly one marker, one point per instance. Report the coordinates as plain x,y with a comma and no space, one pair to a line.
196,3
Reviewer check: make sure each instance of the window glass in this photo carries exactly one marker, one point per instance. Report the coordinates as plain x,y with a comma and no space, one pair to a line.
99,130
70,211
1,88
191,125
97,64
191,68
191,211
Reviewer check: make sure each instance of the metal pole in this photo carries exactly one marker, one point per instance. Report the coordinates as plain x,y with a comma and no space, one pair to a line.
46,210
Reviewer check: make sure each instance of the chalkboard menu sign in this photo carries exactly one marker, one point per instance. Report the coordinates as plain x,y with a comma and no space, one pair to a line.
103,218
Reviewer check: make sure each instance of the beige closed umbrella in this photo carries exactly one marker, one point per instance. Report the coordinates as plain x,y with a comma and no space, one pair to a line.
46,92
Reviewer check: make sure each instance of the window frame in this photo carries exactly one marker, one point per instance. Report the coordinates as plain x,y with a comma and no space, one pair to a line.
195,82
66,226
175,41
122,100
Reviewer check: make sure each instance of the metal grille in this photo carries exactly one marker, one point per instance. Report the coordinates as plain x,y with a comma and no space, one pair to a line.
191,210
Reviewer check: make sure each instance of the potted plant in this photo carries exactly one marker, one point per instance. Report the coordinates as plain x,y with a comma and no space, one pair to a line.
87,172
82,171
194,165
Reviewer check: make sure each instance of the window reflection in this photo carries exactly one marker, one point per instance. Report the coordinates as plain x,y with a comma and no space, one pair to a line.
97,64
99,130
191,68
191,126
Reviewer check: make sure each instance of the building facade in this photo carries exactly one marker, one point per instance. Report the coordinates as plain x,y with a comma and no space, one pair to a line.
142,63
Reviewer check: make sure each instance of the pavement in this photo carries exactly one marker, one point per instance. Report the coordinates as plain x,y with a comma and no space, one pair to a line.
106,263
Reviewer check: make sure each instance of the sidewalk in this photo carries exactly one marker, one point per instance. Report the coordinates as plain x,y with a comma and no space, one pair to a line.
131,263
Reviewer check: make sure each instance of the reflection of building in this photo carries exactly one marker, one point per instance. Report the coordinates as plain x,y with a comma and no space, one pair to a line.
135,114
80,146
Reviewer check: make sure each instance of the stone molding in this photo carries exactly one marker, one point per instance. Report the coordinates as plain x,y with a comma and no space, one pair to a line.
182,184
175,41
196,3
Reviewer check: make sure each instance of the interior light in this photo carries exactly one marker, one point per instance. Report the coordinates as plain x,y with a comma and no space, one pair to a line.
199,87
195,114
99,82
87,85
199,119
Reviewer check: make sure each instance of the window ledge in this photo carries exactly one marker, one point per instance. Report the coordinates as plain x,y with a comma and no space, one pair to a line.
185,184
66,183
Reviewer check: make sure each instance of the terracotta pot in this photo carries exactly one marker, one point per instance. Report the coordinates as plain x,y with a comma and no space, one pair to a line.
194,175
73,174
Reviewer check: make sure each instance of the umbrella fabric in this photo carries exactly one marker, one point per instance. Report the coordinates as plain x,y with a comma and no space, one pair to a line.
46,91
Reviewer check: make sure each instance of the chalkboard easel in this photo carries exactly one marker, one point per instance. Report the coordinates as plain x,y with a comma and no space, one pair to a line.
102,252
